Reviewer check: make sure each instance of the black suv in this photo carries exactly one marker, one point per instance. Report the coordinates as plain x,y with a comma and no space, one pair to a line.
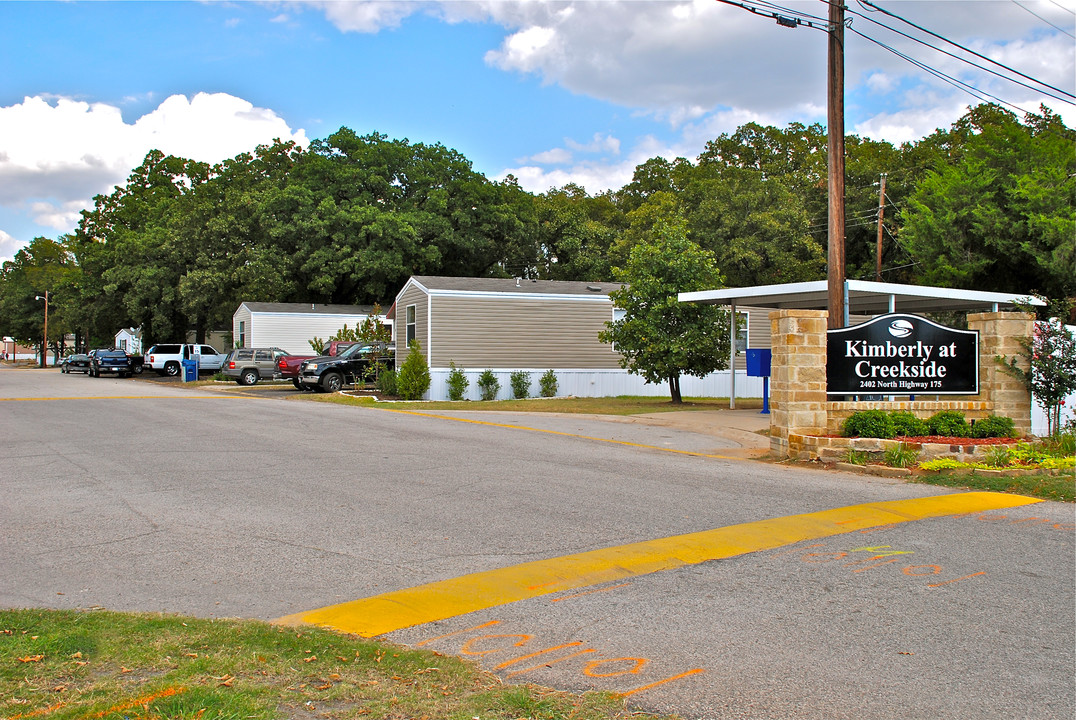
330,373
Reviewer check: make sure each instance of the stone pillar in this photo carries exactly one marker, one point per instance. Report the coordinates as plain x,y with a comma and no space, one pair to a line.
798,380
999,335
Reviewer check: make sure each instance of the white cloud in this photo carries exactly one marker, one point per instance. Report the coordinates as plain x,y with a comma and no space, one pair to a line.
365,17
56,154
8,246
556,156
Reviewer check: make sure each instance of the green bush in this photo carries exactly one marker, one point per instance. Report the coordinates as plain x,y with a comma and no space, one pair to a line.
905,424
386,382
948,423
521,384
994,426
488,385
868,423
457,383
548,384
413,380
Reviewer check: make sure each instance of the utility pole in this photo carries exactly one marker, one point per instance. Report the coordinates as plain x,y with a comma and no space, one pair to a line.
881,215
835,167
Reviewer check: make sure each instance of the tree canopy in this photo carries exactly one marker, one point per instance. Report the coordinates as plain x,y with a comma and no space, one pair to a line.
988,203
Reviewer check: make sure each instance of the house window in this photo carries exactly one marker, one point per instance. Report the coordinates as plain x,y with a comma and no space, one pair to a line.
410,324
741,332
242,333
618,314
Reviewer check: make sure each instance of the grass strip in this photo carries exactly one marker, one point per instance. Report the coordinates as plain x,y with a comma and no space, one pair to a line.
1061,488
622,405
66,664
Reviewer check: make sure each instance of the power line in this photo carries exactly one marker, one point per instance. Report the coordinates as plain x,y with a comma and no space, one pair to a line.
959,84
965,60
1040,17
868,3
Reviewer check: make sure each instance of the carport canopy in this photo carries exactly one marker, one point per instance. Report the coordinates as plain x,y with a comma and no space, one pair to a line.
861,297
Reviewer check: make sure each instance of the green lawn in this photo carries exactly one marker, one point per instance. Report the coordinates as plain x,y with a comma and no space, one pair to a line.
63,665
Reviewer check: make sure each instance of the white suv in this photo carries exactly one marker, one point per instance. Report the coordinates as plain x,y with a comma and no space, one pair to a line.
167,359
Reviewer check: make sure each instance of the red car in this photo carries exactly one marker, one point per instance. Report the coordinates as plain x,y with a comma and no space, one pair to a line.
289,368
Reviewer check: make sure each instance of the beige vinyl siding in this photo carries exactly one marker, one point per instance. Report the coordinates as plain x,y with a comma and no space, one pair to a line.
525,331
411,295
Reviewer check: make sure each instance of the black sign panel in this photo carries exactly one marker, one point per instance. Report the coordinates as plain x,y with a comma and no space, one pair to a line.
902,355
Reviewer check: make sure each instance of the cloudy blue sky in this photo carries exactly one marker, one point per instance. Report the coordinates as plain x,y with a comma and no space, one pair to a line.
551,92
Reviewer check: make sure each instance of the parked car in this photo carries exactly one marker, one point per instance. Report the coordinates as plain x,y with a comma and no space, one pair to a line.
249,365
288,367
168,359
330,374
106,362
79,362
137,363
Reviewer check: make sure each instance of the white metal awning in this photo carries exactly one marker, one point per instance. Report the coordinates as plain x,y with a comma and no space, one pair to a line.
862,297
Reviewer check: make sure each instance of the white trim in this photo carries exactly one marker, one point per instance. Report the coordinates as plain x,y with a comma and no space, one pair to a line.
596,297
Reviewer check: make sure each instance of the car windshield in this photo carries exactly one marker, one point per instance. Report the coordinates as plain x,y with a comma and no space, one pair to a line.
353,350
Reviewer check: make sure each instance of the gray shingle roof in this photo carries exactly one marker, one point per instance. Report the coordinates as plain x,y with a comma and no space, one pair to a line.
270,307
509,285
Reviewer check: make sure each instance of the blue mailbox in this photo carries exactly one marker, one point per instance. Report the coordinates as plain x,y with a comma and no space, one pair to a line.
758,365
758,362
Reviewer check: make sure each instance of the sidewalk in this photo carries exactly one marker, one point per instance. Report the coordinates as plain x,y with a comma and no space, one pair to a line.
746,428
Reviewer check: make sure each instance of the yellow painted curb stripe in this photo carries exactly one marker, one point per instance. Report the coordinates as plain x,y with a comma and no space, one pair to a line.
557,432
457,596
122,397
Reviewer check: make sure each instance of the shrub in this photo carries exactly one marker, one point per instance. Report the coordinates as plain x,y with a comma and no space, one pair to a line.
998,456
868,423
488,385
855,457
548,384
521,384
413,380
901,455
949,423
457,383
993,426
908,425
942,464
386,382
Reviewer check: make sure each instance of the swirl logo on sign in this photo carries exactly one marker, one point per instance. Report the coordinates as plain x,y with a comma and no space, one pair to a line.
900,328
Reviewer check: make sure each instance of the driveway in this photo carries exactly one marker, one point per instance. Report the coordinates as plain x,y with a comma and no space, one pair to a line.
156,497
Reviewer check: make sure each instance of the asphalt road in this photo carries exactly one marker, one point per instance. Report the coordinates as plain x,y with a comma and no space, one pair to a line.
136,495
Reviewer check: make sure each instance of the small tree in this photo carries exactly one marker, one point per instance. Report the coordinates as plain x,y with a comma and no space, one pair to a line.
548,384
659,337
488,385
521,384
1047,367
457,383
413,380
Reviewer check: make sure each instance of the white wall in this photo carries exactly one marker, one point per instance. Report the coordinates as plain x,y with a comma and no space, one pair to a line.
600,383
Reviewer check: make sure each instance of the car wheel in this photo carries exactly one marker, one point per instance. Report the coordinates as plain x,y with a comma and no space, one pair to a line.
332,382
249,377
298,385
138,370
63,369
171,369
